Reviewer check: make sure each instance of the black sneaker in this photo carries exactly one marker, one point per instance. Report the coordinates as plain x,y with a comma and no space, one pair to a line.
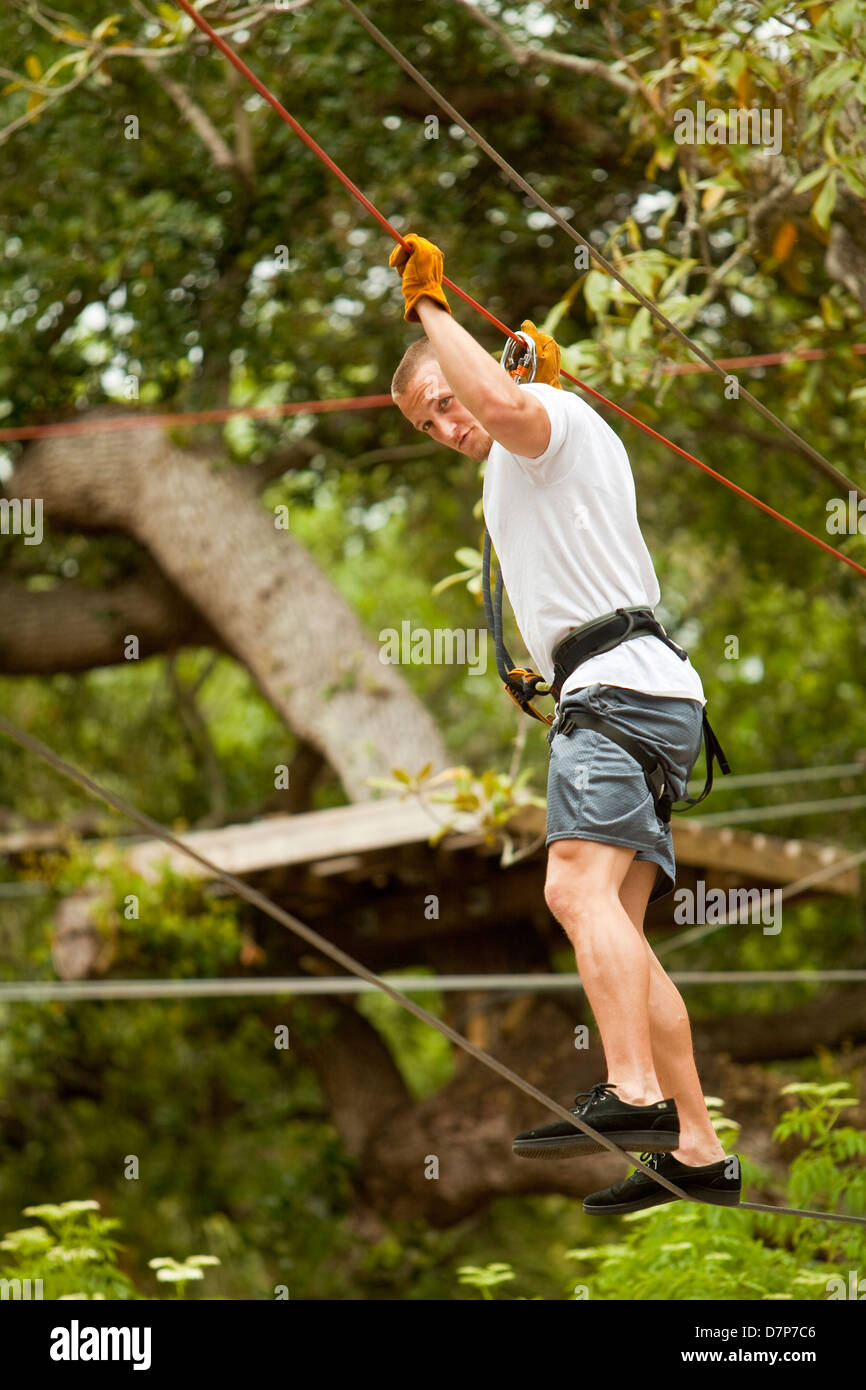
711,1183
655,1128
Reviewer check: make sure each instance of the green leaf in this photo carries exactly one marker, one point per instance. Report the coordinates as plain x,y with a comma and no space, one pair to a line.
488,782
106,27
61,63
809,180
833,77
450,579
469,557
853,180
825,202
822,41
639,329
736,66
844,15
597,290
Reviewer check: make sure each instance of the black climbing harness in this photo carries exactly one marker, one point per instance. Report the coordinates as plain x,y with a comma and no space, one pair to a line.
599,635
653,768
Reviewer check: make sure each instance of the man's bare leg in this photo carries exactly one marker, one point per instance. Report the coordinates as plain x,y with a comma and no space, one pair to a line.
599,894
671,1034
583,886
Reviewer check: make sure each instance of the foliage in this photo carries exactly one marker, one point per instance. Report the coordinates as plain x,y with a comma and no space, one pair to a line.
490,801
73,1256
145,260
72,1252
484,1279
680,1251
181,1272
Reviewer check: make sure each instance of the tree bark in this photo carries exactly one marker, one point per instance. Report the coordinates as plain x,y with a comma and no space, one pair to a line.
73,628
256,586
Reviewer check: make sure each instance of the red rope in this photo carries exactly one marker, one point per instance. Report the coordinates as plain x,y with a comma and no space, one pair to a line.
134,421
764,359
308,140
326,159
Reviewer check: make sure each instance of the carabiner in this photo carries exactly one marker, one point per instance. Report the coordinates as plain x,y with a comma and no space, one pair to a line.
520,359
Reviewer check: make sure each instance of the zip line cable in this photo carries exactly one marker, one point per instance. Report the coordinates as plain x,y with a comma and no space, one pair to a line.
385,43
327,948
313,938
827,806
90,991
312,144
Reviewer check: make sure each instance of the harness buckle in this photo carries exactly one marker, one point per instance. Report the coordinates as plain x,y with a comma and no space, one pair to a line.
656,782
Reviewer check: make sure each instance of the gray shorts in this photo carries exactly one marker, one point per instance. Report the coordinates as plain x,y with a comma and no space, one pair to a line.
597,791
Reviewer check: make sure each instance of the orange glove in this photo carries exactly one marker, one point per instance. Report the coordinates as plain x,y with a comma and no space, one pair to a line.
548,354
421,272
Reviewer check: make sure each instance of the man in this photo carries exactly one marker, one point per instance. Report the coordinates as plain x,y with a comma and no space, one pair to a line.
559,503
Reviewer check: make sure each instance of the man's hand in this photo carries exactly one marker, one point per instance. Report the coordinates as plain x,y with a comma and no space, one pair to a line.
548,355
422,274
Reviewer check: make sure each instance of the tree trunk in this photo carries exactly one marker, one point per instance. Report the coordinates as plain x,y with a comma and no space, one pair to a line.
467,1126
254,585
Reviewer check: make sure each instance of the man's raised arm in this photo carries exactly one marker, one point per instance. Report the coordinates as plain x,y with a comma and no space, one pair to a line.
516,419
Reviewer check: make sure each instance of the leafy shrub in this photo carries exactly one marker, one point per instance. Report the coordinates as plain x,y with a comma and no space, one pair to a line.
73,1256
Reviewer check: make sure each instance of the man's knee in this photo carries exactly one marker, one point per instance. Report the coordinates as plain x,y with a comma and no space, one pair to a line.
584,879
574,890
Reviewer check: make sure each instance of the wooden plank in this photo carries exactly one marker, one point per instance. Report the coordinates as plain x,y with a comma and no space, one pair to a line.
762,858
347,832
280,841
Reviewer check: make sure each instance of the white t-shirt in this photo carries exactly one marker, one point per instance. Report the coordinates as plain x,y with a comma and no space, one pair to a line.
565,530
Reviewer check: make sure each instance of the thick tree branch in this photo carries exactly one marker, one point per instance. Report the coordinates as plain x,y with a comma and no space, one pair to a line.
254,582
74,628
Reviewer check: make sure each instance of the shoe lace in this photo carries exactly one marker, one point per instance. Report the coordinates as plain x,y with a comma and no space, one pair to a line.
585,1099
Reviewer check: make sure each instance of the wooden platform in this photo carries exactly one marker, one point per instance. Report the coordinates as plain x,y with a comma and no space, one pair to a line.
340,840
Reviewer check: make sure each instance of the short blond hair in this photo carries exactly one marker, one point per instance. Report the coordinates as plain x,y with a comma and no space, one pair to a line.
412,361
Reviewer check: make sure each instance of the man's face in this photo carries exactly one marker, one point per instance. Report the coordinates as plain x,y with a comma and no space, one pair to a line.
429,404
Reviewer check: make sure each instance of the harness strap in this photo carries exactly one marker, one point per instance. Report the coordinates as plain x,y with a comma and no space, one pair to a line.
521,683
602,635
654,772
